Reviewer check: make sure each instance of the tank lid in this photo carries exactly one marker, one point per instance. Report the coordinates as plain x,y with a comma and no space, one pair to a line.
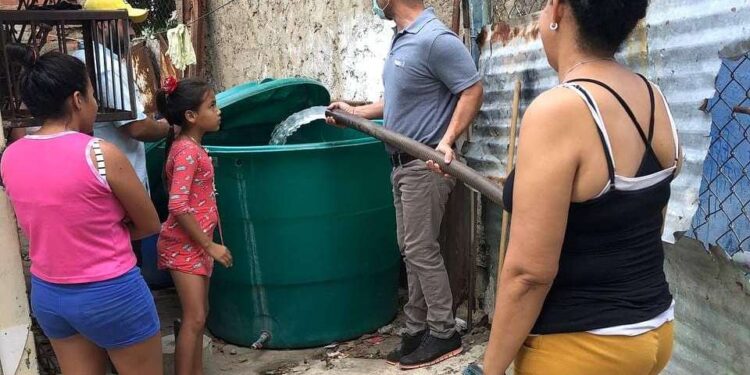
269,101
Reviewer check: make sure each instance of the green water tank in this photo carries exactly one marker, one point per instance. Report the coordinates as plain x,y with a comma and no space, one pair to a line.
310,224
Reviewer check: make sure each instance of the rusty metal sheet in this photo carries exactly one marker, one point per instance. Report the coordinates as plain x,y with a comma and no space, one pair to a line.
145,74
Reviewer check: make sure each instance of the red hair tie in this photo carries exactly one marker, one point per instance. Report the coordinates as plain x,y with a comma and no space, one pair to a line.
169,85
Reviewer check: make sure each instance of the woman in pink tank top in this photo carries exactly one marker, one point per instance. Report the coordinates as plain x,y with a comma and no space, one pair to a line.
80,203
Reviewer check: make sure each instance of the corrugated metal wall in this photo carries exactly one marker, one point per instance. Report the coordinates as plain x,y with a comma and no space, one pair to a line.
678,47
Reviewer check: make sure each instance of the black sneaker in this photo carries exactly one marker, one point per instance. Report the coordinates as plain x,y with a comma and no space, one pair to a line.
432,351
408,345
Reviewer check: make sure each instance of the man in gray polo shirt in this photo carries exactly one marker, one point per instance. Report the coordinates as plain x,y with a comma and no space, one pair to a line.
432,93
128,135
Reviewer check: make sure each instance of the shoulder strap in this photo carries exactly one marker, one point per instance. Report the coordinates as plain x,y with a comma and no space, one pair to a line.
99,155
601,129
671,125
622,103
652,119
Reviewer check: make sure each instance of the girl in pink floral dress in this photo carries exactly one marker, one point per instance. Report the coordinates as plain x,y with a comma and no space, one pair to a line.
186,247
191,192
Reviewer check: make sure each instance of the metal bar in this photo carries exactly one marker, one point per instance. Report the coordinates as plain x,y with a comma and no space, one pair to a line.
88,49
114,116
6,102
456,168
23,29
60,40
32,34
109,67
113,58
61,15
131,86
98,65
36,30
37,26
9,77
64,38
119,63
44,30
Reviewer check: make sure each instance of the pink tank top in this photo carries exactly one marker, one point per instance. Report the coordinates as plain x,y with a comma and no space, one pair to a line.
66,209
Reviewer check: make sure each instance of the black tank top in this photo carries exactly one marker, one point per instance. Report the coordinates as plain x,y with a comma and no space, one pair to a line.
611,264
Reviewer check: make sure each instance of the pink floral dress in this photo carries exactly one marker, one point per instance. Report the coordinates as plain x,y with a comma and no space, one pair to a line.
191,175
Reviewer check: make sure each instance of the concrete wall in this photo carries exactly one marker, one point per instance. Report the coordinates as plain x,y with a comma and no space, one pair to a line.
17,350
339,42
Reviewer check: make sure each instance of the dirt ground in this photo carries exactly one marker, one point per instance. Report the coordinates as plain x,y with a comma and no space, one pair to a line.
364,355
361,356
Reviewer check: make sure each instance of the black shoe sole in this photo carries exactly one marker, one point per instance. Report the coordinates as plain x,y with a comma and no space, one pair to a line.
444,357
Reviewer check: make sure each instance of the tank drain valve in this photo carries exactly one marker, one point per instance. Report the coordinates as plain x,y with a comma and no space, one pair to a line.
264,337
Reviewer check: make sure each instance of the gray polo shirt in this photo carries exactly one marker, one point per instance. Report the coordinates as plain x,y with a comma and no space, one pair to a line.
426,70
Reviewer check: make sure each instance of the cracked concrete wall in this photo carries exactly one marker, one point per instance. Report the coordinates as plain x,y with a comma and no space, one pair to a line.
339,42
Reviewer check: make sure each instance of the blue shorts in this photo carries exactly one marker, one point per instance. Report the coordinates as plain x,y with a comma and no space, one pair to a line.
113,314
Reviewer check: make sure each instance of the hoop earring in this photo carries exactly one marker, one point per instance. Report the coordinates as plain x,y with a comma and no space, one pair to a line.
554,26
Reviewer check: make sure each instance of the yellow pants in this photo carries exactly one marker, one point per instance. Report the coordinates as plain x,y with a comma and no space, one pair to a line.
583,353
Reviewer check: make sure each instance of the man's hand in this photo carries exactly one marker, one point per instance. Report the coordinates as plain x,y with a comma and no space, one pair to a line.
147,130
341,106
450,155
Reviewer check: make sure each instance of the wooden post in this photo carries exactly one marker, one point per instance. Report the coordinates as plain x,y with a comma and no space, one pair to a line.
192,10
17,350
505,229
456,20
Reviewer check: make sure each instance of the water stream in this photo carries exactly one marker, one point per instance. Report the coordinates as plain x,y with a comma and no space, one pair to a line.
284,130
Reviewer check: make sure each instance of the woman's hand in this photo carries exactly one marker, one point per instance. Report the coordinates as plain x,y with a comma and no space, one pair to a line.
140,218
221,253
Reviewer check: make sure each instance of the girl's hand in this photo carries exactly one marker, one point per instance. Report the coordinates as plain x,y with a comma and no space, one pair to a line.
221,254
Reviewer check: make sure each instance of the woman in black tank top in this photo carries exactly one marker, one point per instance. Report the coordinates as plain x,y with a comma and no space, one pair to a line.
582,290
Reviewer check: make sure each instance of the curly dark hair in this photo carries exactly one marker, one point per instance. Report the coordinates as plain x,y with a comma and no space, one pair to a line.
603,25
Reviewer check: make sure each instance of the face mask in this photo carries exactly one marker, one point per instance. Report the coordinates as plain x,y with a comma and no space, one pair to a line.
380,12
